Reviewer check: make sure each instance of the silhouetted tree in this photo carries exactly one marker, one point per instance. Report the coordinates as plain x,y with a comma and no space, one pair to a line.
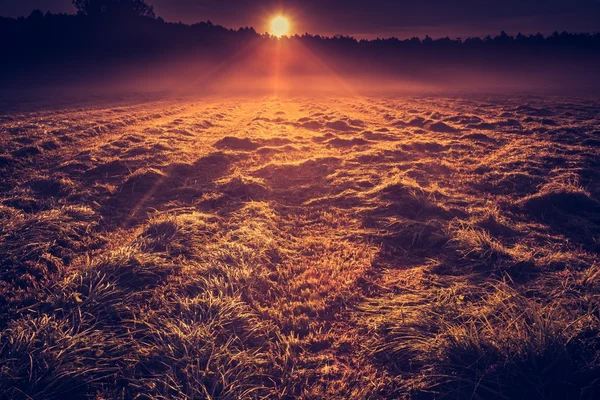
114,8
36,15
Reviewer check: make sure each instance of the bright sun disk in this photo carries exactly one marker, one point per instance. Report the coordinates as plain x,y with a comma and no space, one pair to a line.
280,26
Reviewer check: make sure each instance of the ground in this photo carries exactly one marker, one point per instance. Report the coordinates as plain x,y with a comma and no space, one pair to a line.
364,248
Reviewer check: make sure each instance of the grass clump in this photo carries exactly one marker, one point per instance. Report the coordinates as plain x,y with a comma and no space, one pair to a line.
399,194
129,267
568,209
239,186
52,358
206,347
144,180
36,247
234,143
491,343
558,198
51,186
177,235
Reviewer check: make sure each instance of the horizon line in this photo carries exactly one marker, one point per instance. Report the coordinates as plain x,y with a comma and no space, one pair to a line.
356,36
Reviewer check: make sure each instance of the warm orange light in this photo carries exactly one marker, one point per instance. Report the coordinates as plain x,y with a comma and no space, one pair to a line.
280,26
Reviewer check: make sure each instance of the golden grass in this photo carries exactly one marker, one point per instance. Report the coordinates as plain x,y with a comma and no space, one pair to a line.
301,248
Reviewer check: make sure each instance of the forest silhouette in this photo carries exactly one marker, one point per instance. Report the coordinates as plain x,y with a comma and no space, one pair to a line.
106,35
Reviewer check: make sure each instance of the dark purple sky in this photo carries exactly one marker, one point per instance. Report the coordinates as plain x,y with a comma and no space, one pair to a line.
371,18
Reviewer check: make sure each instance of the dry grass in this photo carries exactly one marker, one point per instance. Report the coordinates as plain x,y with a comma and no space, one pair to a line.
301,248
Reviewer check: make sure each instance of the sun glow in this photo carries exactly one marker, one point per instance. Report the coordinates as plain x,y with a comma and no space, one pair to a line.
280,26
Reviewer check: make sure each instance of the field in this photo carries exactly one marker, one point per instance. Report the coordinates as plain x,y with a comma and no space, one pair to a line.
280,247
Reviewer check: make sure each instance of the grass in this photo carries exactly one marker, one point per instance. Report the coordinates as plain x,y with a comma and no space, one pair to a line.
489,342
253,249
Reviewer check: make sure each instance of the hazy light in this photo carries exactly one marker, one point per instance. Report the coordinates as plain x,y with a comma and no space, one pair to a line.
280,26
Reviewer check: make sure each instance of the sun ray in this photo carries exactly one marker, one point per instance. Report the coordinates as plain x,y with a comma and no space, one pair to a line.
343,87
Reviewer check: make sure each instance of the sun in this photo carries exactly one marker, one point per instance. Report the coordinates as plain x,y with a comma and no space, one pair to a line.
280,26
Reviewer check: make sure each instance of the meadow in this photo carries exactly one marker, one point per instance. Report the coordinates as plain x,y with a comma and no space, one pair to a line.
292,247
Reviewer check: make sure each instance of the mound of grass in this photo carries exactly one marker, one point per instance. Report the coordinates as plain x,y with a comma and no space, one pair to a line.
144,180
478,137
484,253
177,234
399,194
343,143
51,186
591,143
131,268
412,236
568,209
417,122
441,127
36,250
207,168
27,151
312,125
205,347
5,161
493,222
50,145
36,247
26,204
48,357
433,147
341,126
558,198
7,212
490,343
243,187
476,243
276,141
304,172
234,143
111,169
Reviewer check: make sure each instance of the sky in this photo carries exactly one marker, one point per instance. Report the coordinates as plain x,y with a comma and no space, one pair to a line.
370,18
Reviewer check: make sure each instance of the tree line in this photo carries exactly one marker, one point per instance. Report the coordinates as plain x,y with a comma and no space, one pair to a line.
113,32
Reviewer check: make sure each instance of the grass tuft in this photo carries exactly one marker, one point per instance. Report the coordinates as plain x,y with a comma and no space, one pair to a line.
177,235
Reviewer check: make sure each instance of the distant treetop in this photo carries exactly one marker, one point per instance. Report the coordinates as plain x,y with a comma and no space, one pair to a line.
114,8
